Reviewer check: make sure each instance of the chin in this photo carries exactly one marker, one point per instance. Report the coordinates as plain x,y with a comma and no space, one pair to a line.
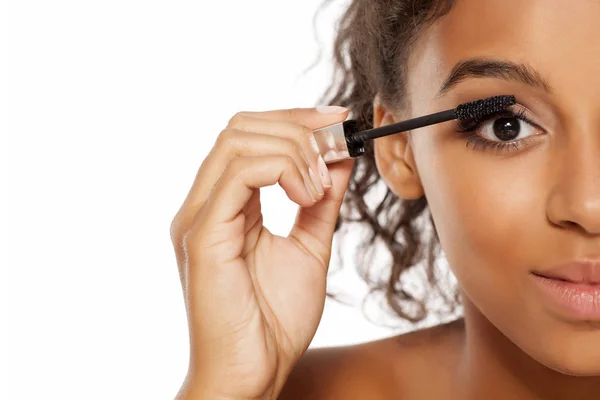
580,369
575,356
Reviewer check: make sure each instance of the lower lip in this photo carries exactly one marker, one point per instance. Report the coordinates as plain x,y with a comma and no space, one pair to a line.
575,300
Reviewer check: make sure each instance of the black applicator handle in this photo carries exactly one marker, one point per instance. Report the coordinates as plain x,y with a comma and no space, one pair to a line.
407,125
356,141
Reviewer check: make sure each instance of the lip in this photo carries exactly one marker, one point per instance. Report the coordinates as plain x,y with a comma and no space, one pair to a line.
575,272
572,289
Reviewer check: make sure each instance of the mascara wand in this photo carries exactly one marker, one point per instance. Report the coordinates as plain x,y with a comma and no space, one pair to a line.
343,141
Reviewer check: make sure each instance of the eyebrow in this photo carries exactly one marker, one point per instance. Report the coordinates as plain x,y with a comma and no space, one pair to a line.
490,68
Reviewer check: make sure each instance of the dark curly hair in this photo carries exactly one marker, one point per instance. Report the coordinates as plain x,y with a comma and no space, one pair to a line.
372,44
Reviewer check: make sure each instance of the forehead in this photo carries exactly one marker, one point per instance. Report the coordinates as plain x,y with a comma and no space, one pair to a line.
559,38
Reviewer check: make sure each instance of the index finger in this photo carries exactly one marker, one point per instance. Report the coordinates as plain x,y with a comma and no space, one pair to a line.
312,118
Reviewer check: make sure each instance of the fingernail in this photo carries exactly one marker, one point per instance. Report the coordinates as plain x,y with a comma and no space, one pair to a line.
325,176
331,109
316,181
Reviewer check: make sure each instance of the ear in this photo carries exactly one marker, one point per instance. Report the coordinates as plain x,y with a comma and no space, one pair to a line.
394,157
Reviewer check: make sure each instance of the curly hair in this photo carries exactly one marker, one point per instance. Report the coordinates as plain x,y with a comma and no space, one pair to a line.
372,44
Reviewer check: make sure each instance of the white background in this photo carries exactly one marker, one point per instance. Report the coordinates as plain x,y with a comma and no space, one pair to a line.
113,105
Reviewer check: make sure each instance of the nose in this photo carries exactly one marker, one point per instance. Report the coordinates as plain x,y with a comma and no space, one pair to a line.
574,201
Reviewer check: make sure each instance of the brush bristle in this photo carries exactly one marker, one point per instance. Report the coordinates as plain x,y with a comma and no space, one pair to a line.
480,109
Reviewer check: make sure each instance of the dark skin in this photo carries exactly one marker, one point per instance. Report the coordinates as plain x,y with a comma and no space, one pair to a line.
499,214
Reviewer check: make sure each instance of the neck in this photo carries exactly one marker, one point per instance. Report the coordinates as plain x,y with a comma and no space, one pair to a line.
494,367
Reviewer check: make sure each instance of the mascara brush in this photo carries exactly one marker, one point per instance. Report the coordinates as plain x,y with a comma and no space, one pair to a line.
344,140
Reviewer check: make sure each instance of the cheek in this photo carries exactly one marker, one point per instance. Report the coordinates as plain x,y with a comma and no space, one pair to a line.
488,211
490,215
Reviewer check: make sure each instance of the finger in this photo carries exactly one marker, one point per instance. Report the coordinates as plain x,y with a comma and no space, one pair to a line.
262,122
232,143
242,177
314,227
296,123
312,118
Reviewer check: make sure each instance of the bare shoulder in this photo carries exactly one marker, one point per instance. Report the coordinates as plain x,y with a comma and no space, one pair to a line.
394,367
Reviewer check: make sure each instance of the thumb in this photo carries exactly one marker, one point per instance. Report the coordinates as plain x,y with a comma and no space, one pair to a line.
314,226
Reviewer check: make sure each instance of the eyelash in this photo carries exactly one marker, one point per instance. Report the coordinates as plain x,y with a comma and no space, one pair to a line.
480,142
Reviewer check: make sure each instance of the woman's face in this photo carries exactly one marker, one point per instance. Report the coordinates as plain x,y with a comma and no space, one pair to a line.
504,212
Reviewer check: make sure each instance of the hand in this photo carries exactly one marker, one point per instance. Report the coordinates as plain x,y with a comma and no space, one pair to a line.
253,299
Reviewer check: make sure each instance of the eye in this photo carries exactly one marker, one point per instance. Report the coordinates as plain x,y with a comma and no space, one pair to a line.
507,128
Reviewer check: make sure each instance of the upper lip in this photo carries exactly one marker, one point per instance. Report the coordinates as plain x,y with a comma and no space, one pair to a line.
587,271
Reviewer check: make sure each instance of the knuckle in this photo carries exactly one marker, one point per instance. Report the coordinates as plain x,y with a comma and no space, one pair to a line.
177,231
226,135
226,138
236,119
